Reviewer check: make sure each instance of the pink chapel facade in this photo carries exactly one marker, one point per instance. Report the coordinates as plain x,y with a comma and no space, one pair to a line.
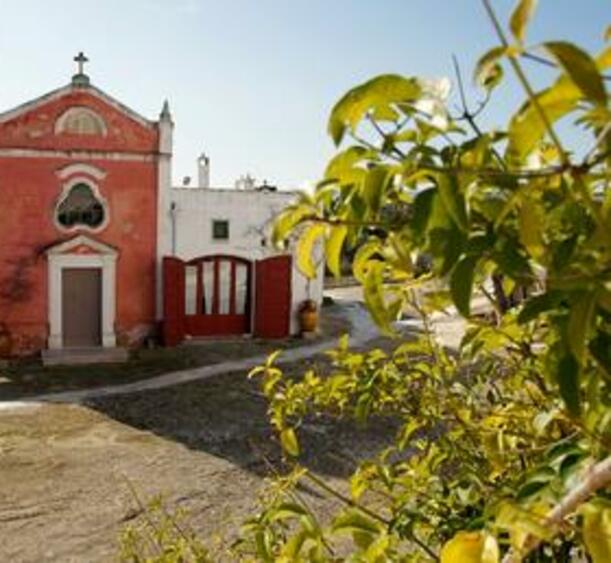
89,219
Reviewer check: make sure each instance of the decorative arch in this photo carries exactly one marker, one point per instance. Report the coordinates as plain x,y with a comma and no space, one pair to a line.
80,120
81,206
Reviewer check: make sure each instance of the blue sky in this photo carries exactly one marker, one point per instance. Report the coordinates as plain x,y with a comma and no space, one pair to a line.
252,82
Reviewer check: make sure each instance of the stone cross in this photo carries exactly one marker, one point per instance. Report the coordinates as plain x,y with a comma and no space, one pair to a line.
81,59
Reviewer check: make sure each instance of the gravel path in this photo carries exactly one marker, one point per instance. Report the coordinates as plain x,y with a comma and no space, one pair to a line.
362,331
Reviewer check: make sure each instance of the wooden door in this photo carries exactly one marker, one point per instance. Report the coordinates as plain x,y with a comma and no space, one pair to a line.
82,307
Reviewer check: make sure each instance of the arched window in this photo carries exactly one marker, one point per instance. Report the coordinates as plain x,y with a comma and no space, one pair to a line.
80,207
80,121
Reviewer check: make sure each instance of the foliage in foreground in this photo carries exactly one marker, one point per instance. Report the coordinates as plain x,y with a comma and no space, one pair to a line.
503,449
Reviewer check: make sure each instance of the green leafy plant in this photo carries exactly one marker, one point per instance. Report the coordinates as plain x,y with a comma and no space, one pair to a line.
503,450
503,446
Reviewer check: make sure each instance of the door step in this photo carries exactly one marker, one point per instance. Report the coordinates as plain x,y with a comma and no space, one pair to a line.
79,356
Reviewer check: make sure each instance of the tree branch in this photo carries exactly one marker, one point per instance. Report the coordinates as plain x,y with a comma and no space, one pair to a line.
596,477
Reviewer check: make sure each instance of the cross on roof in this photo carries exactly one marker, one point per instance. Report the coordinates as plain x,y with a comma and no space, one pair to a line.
81,59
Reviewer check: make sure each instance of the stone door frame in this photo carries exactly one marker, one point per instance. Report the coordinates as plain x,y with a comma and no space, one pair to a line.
82,252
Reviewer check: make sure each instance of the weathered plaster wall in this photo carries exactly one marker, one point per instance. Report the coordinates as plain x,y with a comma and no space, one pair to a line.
250,214
30,157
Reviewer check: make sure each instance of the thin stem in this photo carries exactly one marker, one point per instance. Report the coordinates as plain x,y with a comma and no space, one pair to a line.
547,62
524,81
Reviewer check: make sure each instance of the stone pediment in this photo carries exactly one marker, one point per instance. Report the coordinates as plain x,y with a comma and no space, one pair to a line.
82,244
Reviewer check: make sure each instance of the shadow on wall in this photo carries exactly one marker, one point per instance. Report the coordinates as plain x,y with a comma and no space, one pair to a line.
15,285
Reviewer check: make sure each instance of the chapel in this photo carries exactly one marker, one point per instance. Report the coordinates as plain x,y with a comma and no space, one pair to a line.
99,250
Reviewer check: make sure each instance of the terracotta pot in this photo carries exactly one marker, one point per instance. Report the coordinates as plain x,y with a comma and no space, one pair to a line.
308,316
6,342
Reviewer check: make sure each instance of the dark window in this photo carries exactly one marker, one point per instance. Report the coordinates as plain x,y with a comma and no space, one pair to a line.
80,207
220,230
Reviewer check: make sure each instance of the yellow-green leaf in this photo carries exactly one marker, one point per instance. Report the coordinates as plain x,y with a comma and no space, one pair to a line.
374,186
488,72
581,69
461,283
520,17
289,442
453,200
530,229
333,249
288,220
580,320
354,520
305,249
376,95
470,547
596,528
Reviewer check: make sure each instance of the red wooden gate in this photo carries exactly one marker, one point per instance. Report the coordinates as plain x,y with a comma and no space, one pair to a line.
217,296
211,296
273,297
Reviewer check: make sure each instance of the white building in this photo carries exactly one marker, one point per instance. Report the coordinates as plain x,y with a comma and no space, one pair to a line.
204,221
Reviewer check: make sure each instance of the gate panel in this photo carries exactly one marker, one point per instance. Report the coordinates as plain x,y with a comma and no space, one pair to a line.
173,300
222,302
273,297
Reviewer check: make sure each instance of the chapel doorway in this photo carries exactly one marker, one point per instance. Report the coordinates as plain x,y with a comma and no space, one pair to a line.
81,307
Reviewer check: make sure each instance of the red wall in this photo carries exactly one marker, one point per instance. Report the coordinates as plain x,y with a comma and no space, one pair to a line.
29,191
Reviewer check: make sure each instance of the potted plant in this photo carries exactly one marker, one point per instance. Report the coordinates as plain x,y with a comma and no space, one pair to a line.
308,315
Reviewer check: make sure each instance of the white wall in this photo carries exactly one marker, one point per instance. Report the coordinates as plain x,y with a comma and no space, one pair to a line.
250,214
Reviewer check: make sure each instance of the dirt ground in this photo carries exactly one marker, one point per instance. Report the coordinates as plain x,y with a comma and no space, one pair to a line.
28,377
65,469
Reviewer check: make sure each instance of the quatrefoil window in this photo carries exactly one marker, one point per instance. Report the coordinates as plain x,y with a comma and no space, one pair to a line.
80,207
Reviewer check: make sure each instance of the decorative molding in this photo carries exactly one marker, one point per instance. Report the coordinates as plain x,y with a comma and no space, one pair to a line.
80,168
68,89
61,122
78,154
75,180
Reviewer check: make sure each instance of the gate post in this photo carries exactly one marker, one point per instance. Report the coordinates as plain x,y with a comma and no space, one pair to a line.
173,300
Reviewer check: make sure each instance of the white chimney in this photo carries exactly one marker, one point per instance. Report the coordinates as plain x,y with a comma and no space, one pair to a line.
203,171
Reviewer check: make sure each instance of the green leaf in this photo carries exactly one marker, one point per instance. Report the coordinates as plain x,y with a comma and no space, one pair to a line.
289,442
288,219
363,258
452,199
333,249
581,68
373,293
596,526
520,17
526,128
461,284
344,167
375,185
579,325
539,304
488,72
305,248
288,510
567,376
531,225
376,95
600,348
530,489
353,520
